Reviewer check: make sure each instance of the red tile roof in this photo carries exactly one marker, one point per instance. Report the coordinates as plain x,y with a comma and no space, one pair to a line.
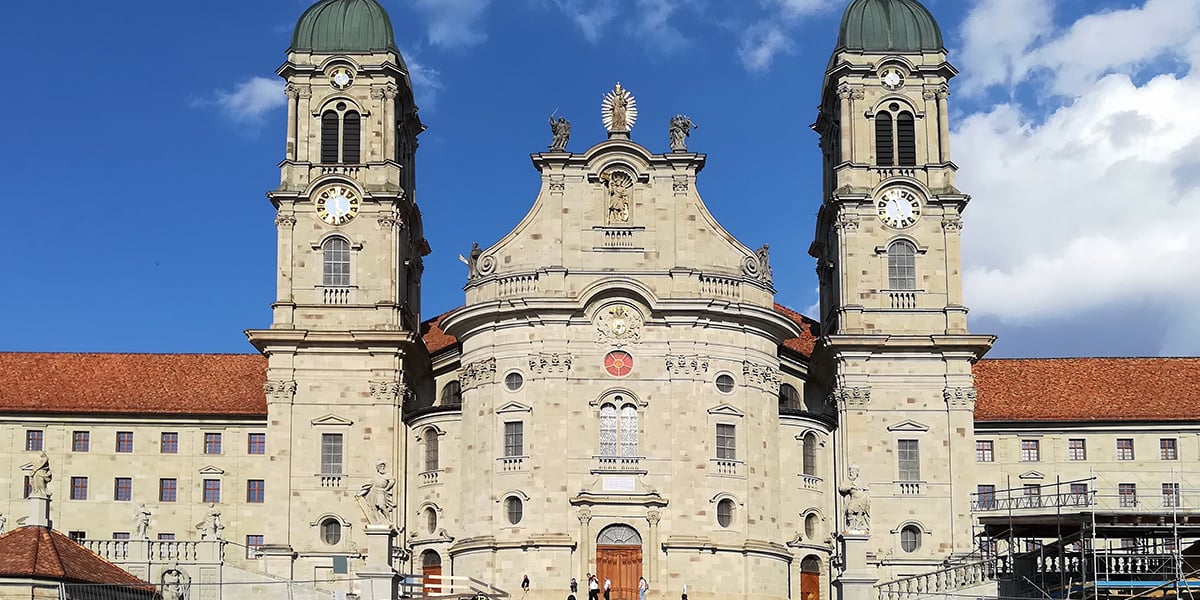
808,339
1088,389
40,553
154,384
436,340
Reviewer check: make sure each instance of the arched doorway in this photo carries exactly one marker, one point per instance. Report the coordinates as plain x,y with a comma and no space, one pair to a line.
619,559
810,578
431,571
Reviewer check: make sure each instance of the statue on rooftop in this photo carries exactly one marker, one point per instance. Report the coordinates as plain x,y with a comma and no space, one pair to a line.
141,523
681,128
39,480
619,110
210,528
561,132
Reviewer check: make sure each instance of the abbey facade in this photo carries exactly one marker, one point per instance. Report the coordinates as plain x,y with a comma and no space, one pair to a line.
619,394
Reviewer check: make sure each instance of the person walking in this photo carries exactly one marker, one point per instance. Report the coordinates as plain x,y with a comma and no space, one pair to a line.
607,589
643,587
593,587
574,587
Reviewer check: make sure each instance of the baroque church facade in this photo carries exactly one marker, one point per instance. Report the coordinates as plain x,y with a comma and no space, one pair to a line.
619,394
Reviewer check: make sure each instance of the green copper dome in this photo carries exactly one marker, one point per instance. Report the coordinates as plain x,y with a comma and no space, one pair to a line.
331,26
889,26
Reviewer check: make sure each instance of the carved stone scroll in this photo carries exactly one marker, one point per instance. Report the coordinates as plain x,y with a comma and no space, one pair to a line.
477,373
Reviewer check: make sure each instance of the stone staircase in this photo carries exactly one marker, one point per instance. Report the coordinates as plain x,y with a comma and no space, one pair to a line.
977,577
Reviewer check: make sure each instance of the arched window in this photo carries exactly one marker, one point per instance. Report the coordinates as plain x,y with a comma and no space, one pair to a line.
431,520
431,449
331,531
452,394
725,512
618,430
884,140
789,398
429,558
341,135
910,538
906,139
810,526
329,136
514,509
902,265
810,454
336,262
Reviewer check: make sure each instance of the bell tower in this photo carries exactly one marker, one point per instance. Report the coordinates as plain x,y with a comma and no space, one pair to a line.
344,345
895,345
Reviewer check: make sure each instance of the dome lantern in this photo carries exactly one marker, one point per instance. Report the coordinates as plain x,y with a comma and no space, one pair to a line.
344,26
889,26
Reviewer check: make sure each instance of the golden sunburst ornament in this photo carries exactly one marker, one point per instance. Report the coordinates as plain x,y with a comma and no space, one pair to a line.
619,110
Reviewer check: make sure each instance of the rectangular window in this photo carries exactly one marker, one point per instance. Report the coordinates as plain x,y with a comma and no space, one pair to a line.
77,536
1127,493
256,491
124,441
1080,491
80,441
256,443
1170,493
1031,489
514,439
123,489
169,444
34,440
79,488
120,535
909,453
253,543
1125,449
985,451
212,443
986,496
167,490
331,454
1031,450
726,441
1167,449
212,490
1076,449
166,537
28,488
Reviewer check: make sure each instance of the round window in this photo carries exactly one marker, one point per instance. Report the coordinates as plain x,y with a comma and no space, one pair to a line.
513,381
725,383
725,512
514,508
618,363
331,531
910,538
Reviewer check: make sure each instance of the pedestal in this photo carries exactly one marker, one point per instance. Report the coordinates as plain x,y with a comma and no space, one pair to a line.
379,579
39,512
278,560
858,581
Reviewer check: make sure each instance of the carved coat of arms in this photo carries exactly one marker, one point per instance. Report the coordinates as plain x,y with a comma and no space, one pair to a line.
618,324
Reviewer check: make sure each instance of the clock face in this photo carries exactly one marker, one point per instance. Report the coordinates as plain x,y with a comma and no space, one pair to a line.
892,78
341,78
899,208
337,204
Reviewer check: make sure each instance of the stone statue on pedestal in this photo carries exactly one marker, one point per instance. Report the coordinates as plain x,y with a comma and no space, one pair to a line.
561,132
378,496
681,128
141,523
858,504
210,528
39,481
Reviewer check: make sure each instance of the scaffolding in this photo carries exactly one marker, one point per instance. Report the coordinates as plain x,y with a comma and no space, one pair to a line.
1094,538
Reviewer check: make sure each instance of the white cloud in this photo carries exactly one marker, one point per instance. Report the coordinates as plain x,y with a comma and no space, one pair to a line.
653,25
453,23
591,16
426,81
997,34
799,8
760,44
250,100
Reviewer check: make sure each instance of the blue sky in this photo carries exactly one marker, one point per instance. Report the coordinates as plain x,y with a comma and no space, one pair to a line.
147,133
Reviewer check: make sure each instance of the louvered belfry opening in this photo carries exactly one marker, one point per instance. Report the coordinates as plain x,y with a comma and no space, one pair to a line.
906,139
884,147
351,137
329,137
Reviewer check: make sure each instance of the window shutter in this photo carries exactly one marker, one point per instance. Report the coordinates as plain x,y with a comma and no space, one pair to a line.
906,138
351,138
884,150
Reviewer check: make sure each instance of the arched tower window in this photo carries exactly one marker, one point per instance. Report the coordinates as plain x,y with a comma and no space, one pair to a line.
810,454
906,139
902,265
895,137
335,260
352,137
452,394
618,430
789,398
341,135
431,449
884,140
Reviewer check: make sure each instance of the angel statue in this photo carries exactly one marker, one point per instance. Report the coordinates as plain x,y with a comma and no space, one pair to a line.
681,128
561,132
378,496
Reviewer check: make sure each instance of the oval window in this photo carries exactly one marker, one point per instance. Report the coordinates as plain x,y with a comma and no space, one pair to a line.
725,512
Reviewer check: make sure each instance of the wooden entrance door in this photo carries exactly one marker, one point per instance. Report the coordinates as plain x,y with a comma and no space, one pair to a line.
810,578
621,564
431,571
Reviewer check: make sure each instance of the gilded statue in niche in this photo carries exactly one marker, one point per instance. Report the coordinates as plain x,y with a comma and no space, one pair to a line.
619,185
